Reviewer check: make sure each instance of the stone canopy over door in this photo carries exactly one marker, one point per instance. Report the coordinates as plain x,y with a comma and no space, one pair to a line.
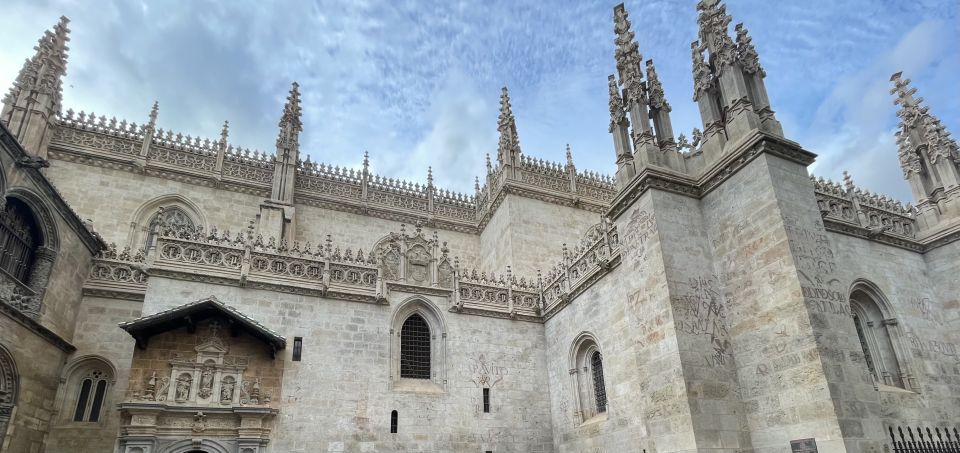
203,379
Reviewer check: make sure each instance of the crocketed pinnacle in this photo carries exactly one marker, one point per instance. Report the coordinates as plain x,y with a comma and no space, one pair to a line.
627,55
509,143
290,124
655,95
918,124
43,73
746,53
617,114
713,21
154,112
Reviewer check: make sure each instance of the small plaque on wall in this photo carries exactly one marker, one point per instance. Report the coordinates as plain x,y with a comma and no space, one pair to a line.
803,446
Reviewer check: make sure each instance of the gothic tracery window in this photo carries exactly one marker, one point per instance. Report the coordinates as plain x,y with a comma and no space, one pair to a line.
93,391
171,216
415,348
19,239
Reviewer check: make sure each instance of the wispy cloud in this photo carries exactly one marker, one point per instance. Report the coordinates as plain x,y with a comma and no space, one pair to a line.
416,83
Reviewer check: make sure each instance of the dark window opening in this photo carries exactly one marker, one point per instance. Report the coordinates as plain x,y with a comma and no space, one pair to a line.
863,346
599,390
82,401
393,422
98,401
19,239
486,400
297,348
415,348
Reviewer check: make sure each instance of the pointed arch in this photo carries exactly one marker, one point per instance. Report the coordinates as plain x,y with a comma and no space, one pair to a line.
426,318
879,335
50,237
144,216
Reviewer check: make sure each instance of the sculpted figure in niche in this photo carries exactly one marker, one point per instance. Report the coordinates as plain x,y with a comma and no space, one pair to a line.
161,394
206,383
226,389
149,392
183,387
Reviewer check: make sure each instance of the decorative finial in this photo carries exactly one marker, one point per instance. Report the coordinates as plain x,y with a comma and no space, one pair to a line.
848,181
225,131
569,156
476,184
627,55
429,176
747,53
489,165
655,95
509,144
154,112
290,124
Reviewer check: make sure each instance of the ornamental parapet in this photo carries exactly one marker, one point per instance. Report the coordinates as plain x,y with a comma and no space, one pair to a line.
848,209
144,148
117,274
597,252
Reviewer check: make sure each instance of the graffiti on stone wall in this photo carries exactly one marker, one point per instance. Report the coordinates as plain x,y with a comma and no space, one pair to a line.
923,347
704,313
815,264
484,373
926,308
636,238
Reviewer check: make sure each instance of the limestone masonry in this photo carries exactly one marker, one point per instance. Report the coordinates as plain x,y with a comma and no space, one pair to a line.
163,293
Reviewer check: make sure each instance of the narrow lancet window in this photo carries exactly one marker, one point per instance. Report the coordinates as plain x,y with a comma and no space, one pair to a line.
415,348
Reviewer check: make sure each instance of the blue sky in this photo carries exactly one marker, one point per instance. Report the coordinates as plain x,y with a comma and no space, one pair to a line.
416,83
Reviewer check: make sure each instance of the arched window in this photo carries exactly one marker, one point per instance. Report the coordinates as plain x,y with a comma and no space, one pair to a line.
84,395
393,422
19,239
171,216
587,379
93,391
415,348
878,337
9,384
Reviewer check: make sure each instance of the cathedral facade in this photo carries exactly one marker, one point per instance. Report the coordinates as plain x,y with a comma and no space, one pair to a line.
163,293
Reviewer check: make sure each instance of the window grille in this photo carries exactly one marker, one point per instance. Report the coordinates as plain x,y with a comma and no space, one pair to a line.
18,239
415,348
863,345
486,400
393,422
599,391
297,348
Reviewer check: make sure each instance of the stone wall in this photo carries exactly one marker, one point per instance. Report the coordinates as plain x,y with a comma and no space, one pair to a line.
38,363
528,234
340,396
97,335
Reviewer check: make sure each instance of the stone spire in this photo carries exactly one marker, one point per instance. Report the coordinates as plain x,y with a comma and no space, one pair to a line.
290,125
33,102
928,155
629,61
659,110
277,213
508,148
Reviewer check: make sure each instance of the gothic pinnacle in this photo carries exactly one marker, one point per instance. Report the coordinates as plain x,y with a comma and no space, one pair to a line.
569,156
713,21
655,95
225,131
617,115
508,145
627,55
746,52
290,124
154,112
429,176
